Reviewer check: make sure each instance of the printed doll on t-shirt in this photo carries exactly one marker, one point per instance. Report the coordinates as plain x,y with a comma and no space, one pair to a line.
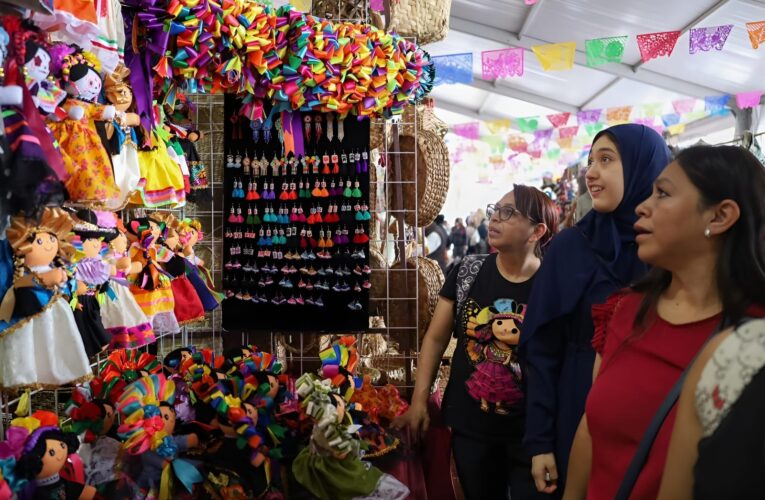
493,333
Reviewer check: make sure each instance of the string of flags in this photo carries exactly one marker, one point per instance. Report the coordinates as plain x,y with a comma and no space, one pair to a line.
573,131
509,62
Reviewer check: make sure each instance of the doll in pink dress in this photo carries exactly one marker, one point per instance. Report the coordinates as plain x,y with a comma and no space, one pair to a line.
497,376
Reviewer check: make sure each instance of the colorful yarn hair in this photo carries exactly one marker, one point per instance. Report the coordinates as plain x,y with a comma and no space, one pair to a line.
142,426
127,365
76,59
338,364
87,414
58,53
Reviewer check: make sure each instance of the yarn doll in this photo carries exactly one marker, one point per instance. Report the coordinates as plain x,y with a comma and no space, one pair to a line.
92,275
121,315
190,233
331,467
179,120
95,420
42,449
155,468
40,345
149,284
188,307
121,139
497,376
89,165
242,449
128,365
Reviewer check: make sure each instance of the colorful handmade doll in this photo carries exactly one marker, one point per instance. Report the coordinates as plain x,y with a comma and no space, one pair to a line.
41,451
95,420
120,313
331,467
121,138
128,365
34,172
40,345
162,181
147,426
91,179
242,449
190,233
149,284
188,307
92,274
497,376
179,120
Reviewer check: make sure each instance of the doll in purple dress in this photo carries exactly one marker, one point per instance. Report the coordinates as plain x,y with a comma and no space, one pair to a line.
497,376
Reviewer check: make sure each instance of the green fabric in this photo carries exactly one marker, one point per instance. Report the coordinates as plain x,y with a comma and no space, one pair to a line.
330,478
605,50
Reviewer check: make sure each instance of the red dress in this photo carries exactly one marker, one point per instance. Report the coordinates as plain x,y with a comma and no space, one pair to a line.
634,379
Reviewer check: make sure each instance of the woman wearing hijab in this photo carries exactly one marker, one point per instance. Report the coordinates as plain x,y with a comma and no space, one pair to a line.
556,341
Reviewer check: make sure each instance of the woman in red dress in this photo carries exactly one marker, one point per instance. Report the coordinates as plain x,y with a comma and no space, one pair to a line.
699,230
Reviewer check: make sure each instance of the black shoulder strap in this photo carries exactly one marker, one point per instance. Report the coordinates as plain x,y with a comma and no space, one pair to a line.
467,273
646,443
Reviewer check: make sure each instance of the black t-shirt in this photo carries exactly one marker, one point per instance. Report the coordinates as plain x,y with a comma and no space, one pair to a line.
485,394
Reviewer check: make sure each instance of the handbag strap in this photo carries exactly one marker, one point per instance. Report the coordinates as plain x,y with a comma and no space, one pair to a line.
646,443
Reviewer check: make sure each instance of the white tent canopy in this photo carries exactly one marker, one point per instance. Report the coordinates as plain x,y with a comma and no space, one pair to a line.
480,25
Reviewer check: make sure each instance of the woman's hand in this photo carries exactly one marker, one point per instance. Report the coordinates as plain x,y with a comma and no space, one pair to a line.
544,472
416,420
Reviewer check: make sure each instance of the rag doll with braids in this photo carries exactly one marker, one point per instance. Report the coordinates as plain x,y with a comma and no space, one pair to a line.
86,160
330,467
92,274
150,285
40,345
35,171
95,420
123,318
243,449
41,450
154,467
178,118
190,233
188,306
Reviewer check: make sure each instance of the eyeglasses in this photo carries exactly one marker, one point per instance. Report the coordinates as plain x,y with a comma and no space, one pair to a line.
505,212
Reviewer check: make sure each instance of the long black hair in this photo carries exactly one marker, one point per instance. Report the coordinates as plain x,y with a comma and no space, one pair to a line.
30,464
724,173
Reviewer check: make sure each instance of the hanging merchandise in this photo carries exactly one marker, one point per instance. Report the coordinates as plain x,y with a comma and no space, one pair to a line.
296,221
40,344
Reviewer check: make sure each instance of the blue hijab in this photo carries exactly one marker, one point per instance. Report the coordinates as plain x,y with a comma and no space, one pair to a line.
600,241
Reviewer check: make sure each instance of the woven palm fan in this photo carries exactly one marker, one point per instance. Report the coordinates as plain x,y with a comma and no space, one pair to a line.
430,168
427,20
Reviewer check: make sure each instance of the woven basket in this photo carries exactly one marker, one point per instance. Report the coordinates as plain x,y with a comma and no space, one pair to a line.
427,20
377,129
426,119
431,170
423,279
348,10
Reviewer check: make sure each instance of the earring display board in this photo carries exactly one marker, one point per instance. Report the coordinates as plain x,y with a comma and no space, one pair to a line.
296,221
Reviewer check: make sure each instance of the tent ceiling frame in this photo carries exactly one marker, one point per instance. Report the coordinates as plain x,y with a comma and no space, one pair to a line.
460,21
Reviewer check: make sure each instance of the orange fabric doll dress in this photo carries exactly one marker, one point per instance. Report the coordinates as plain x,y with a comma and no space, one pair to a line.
85,158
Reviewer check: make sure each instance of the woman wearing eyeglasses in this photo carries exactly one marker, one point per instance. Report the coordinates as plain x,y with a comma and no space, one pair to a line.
583,267
483,302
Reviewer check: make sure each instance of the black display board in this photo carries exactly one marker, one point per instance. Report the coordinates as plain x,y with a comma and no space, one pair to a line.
280,272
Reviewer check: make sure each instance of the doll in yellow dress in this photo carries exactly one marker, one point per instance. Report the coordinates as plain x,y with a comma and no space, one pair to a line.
85,158
162,183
